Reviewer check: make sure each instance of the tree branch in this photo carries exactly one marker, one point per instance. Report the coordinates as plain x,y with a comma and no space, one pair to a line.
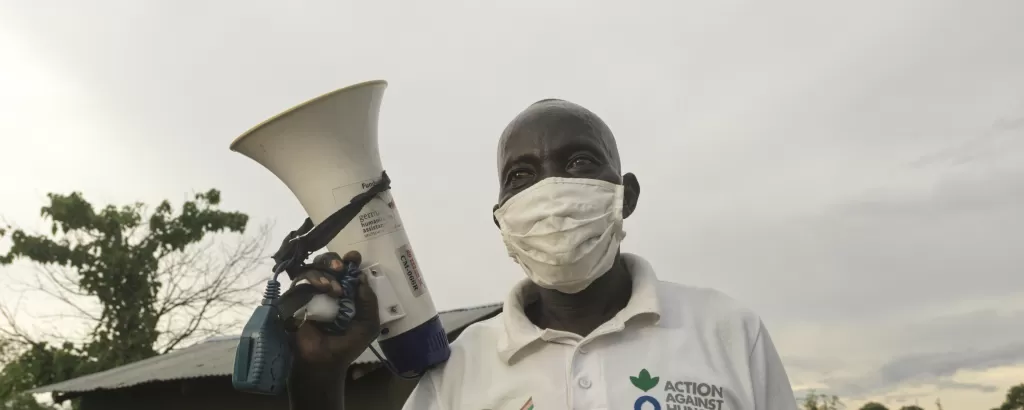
11,331
204,286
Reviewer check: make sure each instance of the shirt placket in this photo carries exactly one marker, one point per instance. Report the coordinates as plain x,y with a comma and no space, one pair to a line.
587,382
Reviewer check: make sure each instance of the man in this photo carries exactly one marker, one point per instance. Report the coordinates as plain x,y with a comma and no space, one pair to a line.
591,328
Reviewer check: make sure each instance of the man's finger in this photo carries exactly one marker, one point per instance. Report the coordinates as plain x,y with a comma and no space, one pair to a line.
319,280
335,263
353,257
330,261
336,289
330,286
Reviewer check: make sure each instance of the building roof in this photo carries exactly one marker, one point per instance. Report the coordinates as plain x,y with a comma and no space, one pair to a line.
215,357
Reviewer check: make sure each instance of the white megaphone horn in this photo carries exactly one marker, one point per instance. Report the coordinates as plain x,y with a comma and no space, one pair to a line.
325,151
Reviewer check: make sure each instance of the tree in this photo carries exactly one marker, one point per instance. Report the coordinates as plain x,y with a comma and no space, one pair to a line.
911,407
23,402
18,371
146,281
815,401
873,406
1014,399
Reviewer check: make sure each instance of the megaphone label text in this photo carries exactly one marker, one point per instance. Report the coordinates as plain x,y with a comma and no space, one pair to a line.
372,223
411,270
378,217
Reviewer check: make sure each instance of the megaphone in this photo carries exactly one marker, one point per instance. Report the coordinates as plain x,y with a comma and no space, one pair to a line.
325,150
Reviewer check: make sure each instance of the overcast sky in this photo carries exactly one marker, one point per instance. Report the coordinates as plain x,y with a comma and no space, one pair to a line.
853,171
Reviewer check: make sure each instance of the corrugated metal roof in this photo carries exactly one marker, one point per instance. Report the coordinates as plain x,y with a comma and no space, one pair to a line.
215,357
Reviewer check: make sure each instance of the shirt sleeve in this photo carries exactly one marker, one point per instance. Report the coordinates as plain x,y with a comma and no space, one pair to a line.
424,396
772,390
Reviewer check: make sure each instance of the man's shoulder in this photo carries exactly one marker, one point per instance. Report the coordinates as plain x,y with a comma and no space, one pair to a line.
475,346
685,304
676,299
478,335
485,328
701,297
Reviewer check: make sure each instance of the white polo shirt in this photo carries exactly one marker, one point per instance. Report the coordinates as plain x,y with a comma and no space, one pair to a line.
673,347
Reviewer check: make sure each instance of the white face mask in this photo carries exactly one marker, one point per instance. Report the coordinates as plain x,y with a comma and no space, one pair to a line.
564,232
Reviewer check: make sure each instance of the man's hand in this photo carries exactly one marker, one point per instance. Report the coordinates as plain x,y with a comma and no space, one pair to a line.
318,352
317,380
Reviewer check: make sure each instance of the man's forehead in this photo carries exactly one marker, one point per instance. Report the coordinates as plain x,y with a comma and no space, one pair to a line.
552,123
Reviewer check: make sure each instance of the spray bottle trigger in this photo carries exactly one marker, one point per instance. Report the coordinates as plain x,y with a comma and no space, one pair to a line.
388,305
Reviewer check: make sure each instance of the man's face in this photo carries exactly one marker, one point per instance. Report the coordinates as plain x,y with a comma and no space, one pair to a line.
553,140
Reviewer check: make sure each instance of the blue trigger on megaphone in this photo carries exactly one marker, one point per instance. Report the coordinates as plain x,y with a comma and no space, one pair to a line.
325,151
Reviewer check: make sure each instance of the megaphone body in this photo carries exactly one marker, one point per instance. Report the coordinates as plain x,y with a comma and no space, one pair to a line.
325,151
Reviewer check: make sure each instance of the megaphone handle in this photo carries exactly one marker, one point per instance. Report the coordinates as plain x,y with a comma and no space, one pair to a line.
349,281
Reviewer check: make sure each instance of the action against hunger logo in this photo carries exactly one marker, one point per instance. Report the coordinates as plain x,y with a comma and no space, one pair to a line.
679,395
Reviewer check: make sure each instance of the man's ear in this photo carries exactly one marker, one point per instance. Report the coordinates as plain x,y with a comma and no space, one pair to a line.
631,194
494,218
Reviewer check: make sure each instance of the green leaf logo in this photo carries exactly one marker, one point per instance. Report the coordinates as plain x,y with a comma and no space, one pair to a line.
644,381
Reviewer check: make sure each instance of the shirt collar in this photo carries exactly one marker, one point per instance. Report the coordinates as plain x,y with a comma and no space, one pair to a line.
520,331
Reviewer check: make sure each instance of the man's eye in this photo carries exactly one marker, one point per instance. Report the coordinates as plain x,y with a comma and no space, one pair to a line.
517,178
580,162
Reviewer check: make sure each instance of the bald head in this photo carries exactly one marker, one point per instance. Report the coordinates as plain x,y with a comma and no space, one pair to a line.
556,138
550,121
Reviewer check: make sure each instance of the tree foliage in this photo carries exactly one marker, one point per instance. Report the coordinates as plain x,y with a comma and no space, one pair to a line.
1014,399
23,402
816,401
147,280
38,363
873,406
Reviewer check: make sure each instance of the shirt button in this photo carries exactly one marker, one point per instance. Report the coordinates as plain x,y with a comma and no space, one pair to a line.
585,383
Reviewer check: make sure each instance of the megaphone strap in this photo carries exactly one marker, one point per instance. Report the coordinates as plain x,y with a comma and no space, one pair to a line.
308,239
282,258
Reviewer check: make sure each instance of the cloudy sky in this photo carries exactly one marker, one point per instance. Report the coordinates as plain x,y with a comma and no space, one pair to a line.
853,171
